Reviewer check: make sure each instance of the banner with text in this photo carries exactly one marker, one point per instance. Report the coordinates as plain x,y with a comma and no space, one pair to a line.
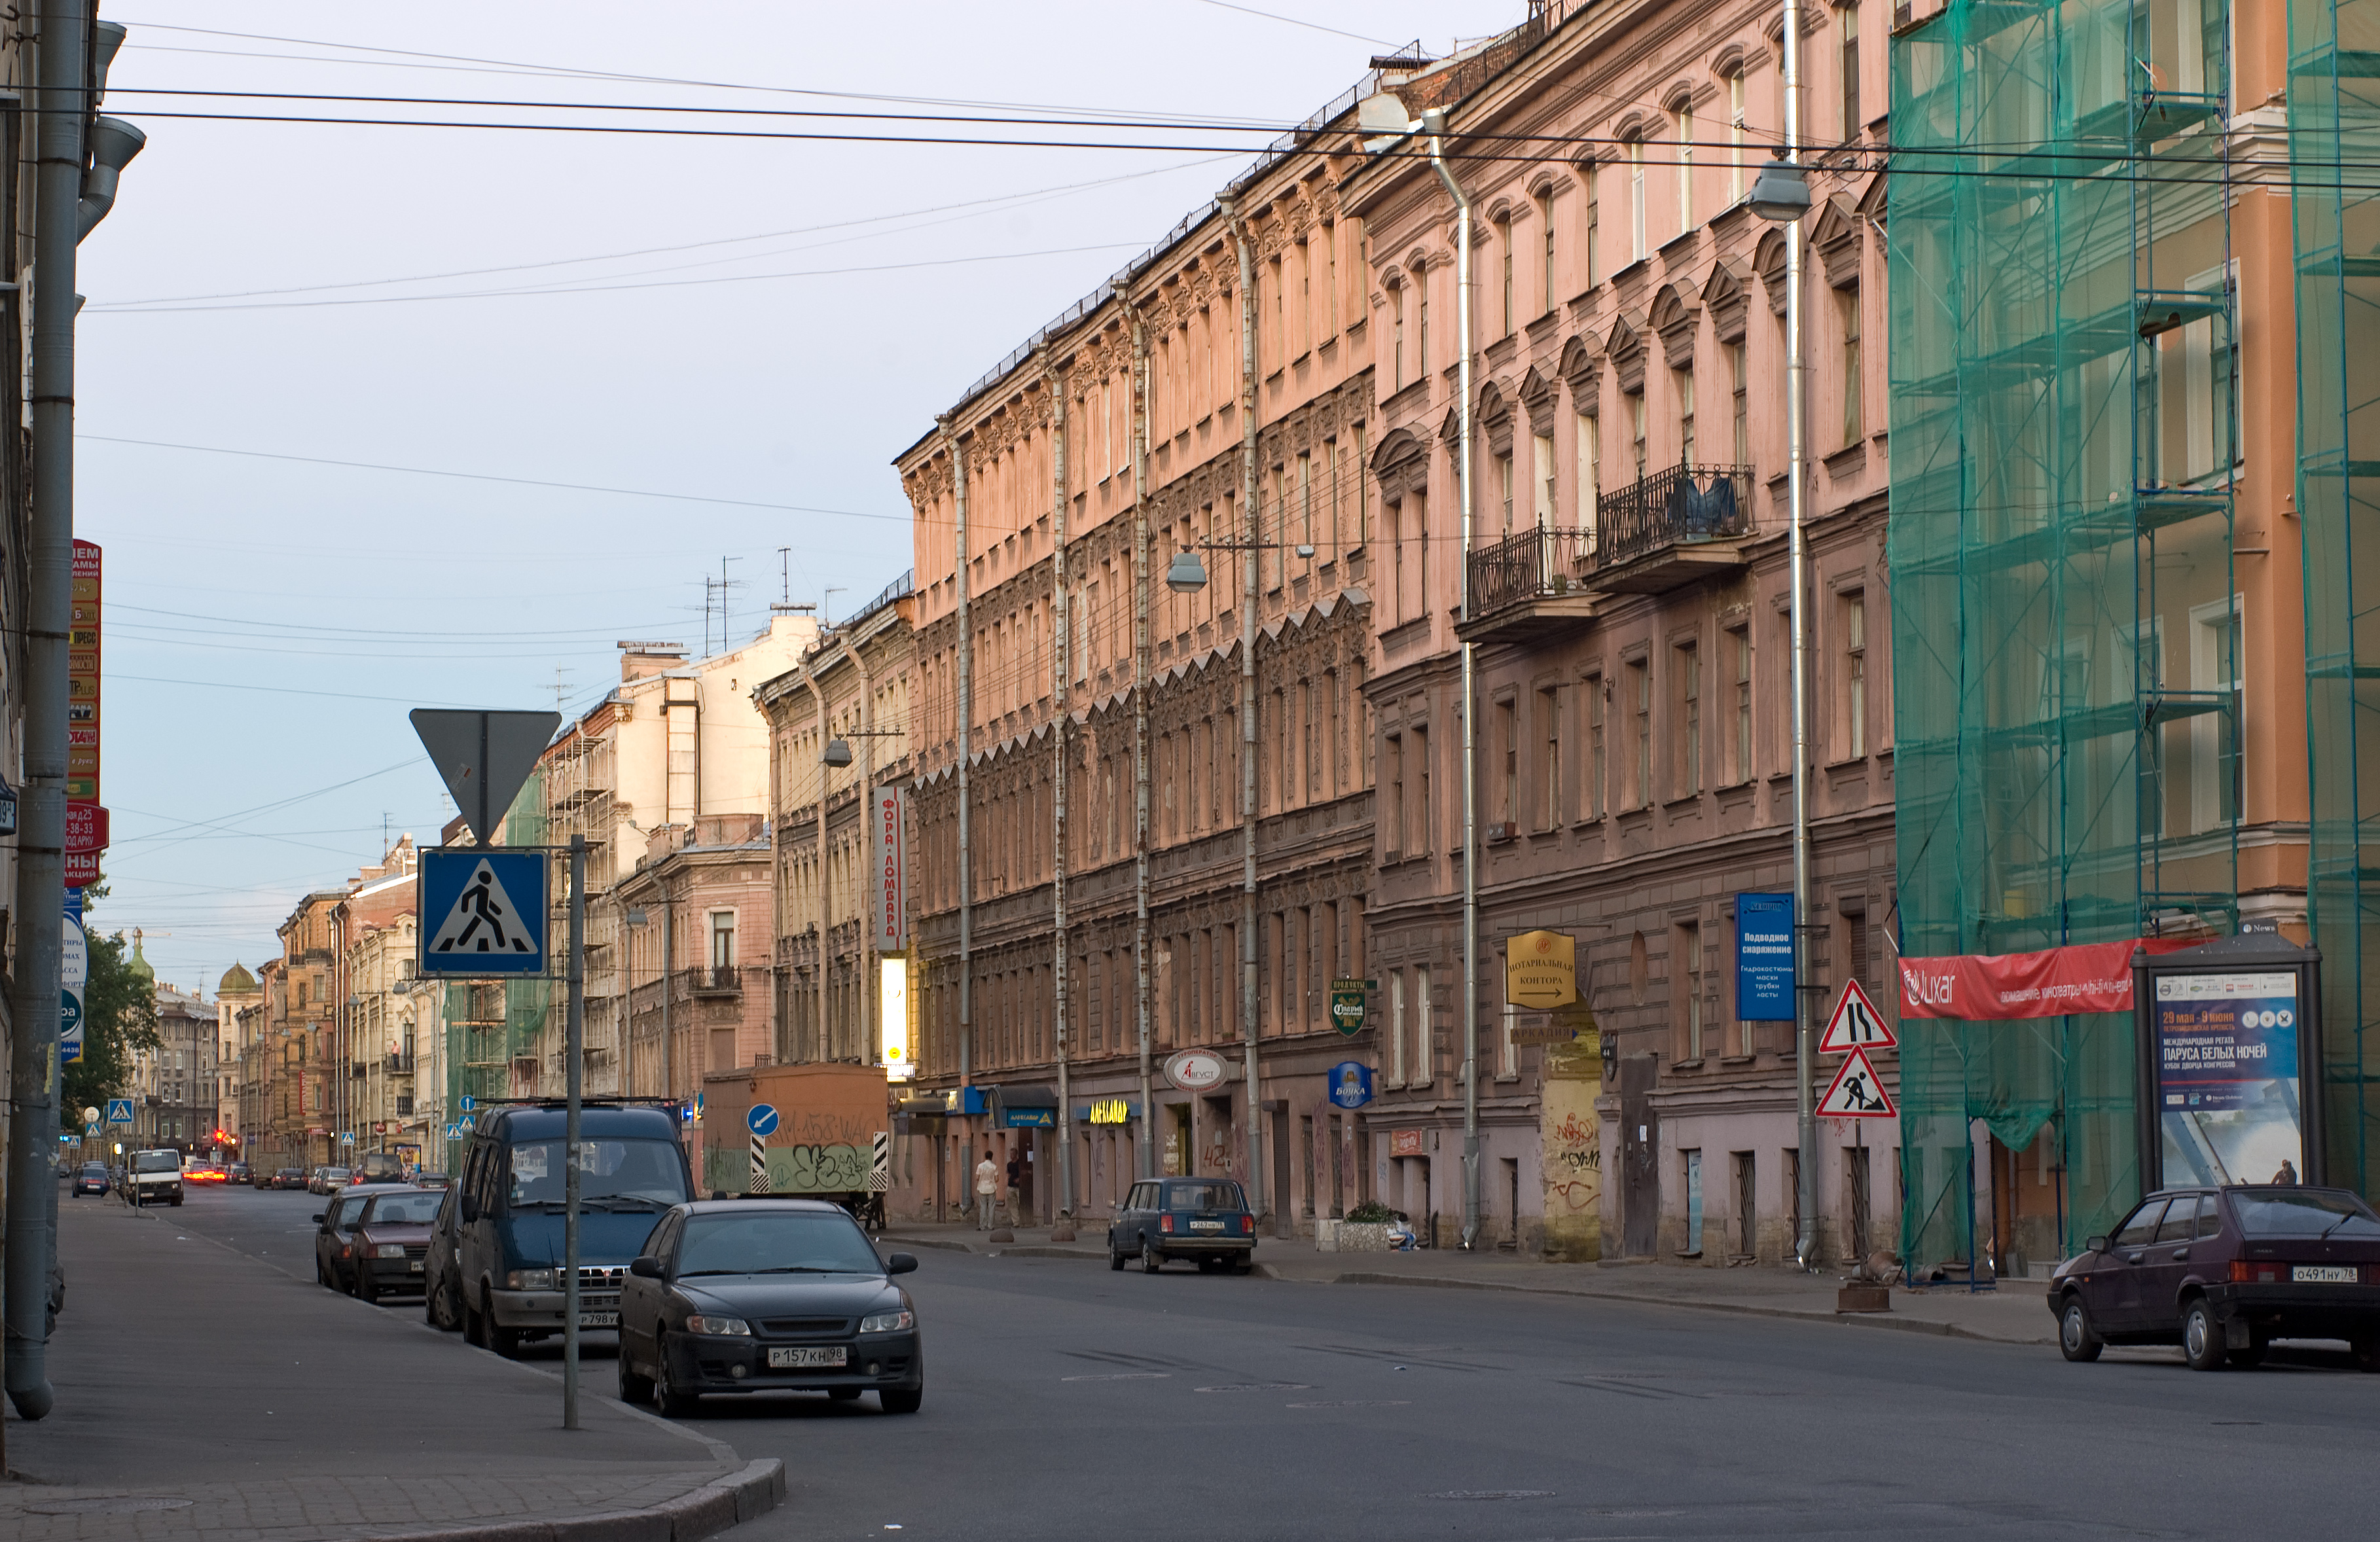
888,868
2089,976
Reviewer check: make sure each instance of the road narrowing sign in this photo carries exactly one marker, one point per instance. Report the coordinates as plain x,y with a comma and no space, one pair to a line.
1856,1024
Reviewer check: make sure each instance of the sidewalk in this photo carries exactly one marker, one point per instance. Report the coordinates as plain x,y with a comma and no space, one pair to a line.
202,1394
2016,1312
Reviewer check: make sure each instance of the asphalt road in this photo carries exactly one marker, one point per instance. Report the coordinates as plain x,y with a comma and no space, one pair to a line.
1063,1400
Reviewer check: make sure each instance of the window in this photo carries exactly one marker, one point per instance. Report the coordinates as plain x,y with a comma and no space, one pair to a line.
1847,304
722,940
1635,151
1588,227
1330,280
1541,447
1508,735
1550,769
1735,136
1397,334
1685,379
1423,832
1397,1027
1363,490
1690,718
1690,959
1397,554
1739,390
1306,491
2215,671
1504,251
1637,430
1425,1046
1740,646
1305,296
1850,15
1508,1054
1504,488
1546,219
1421,323
1640,698
1590,475
1396,827
1590,806
1685,168
1855,675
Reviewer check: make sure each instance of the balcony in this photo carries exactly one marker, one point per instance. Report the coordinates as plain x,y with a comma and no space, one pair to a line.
1528,585
719,979
400,1065
1670,528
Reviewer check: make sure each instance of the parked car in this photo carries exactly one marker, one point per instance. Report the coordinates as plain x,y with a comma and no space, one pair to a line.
289,1178
378,1167
1206,1219
430,1179
93,1179
334,1233
326,1179
506,1219
236,1173
391,1241
744,1295
442,1279
156,1176
2224,1272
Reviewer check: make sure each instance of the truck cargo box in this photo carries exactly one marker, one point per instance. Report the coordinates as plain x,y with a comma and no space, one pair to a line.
824,1140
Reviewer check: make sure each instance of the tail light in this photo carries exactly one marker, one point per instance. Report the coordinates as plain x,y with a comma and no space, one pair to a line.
1248,1225
1165,1223
2245,1271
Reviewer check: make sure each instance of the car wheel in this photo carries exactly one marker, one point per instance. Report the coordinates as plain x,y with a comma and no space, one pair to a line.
367,1288
2202,1337
440,1304
471,1332
2075,1339
669,1400
1115,1258
902,1400
505,1342
1150,1259
176,1201
843,1394
632,1387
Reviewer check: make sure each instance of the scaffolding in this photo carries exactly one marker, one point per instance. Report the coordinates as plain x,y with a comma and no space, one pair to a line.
2065,620
2333,96
496,1029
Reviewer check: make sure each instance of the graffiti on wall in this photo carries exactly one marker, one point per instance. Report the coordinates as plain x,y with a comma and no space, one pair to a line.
1571,1149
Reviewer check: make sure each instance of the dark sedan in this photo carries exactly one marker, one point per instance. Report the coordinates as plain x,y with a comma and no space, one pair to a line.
93,1179
743,1295
2224,1272
391,1241
334,1233
1206,1219
289,1178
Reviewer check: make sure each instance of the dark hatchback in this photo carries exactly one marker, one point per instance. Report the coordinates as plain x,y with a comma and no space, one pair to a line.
336,1250
91,1179
1206,1219
2224,1272
755,1295
392,1240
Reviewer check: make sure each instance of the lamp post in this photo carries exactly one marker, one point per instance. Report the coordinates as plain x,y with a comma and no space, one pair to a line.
1782,195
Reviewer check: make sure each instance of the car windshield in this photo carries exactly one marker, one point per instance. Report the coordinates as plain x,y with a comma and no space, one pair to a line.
334,1174
156,1161
2304,1213
785,1242
1203,1197
94,1167
396,1210
612,1173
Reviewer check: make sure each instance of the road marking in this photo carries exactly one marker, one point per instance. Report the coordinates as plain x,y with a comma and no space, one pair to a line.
1261,1387
1125,1376
1357,1403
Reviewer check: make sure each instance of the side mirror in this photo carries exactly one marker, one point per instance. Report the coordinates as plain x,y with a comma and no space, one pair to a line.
900,1263
319,1215
2096,1245
646,1266
718,1193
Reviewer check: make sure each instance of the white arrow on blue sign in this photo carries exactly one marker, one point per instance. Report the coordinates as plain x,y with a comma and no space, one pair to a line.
467,1102
762,1118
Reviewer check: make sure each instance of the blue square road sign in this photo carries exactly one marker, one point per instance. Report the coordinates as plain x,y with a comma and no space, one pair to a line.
482,913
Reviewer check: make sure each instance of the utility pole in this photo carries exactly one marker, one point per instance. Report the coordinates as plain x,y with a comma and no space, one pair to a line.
1061,745
1805,1243
574,1068
1140,534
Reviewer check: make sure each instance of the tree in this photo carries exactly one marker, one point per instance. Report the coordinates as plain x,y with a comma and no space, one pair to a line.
119,1015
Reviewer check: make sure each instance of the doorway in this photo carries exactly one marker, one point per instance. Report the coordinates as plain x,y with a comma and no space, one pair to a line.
1640,1141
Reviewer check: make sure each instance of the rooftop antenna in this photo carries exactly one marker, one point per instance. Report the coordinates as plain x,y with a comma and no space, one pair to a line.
785,577
723,586
822,604
561,687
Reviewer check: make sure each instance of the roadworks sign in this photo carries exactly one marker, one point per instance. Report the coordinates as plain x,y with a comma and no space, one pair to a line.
1856,1024
1857,1092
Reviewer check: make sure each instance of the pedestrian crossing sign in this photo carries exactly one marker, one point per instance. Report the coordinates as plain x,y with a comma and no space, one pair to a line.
1855,1024
1857,1092
482,912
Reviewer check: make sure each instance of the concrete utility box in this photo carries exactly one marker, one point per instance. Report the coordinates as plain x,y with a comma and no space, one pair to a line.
823,1142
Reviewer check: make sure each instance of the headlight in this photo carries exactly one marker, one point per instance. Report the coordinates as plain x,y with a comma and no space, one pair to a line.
888,1322
717,1326
389,1250
529,1280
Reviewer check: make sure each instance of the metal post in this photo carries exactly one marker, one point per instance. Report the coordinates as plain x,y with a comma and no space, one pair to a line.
40,872
1806,1244
1470,768
1140,733
574,1045
1250,490
669,1067
1062,746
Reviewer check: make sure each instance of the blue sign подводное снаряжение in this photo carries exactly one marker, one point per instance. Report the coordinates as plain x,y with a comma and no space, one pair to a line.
1764,958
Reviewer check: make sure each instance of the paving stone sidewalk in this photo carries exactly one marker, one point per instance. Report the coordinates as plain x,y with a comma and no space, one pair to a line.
204,1394
2013,1313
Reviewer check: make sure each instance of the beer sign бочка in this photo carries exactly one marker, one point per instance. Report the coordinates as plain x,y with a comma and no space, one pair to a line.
1541,970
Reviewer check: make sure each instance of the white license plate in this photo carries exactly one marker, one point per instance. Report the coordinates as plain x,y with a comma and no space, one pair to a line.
2325,1274
599,1320
414,1267
1205,1226
797,1359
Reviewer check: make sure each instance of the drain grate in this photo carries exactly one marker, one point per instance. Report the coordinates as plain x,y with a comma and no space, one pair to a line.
1493,1494
106,1504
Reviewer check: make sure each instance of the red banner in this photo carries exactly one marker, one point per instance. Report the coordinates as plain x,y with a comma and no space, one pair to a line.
2092,977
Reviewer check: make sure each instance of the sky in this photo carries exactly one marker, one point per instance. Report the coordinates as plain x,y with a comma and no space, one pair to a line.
287,323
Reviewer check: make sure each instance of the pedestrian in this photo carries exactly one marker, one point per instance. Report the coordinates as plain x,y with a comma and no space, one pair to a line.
2289,1173
1016,1187
987,1187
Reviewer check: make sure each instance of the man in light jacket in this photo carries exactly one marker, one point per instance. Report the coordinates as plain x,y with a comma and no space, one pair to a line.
987,1190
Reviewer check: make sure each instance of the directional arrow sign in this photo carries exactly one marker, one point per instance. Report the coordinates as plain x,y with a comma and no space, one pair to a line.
484,758
1855,1024
1857,1092
761,1118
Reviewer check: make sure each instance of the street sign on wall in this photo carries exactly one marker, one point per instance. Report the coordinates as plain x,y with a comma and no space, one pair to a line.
1764,958
482,912
1541,970
1195,1070
83,683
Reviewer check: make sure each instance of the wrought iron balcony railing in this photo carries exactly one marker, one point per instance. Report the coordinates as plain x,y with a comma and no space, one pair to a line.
1684,504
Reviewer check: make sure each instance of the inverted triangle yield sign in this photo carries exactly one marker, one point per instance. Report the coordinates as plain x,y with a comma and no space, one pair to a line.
1857,1092
484,758
1856,1024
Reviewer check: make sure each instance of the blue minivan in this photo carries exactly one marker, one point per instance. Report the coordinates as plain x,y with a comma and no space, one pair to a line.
505,1258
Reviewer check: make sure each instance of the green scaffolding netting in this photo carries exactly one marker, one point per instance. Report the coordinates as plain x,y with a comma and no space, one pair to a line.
493,1026
2333,103
2065,626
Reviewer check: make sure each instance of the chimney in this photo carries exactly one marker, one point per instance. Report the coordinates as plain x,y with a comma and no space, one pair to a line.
641,660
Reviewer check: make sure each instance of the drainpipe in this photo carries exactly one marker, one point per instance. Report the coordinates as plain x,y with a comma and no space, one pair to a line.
1252,558
1434,124
865,991
1059,674
1140,731
966,739
1805,1243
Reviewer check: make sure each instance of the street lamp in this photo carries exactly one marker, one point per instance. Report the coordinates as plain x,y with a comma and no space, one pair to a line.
1382,116
1781,196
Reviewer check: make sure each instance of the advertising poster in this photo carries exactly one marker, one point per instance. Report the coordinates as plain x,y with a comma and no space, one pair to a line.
2227,1078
